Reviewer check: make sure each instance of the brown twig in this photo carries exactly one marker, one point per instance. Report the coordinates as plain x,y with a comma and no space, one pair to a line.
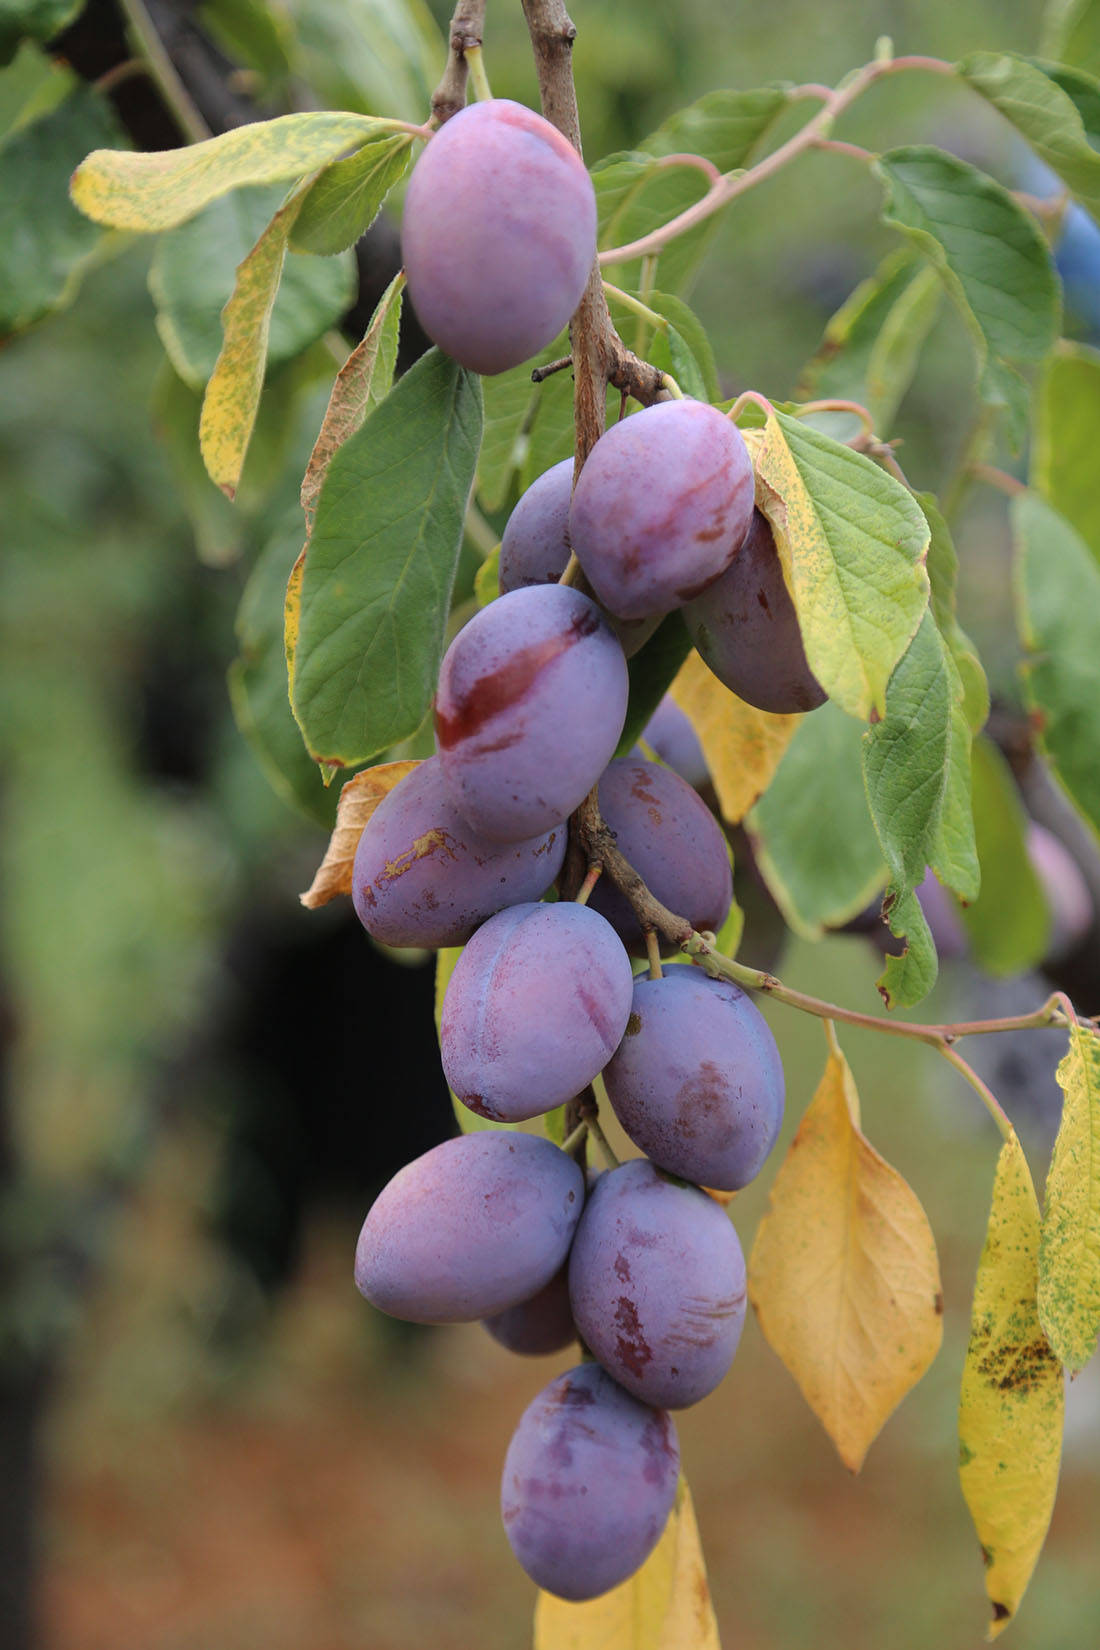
467,27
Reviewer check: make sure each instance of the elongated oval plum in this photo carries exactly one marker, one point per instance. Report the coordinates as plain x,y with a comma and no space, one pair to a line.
423,876
498,234
657,1285
661,507
589,1481
672,840
535,1008
534,548
472,1227
529,708
671,735
540,1325
697,1081
746,630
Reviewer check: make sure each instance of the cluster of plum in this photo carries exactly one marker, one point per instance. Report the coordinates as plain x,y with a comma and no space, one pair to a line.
642,1266
638,1263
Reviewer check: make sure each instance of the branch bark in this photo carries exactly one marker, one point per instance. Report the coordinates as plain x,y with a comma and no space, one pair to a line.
467,29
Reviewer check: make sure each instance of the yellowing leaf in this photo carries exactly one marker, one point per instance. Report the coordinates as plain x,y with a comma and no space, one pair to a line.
165,187
232,396
1069,1250
664,1606
292,616
853,543
1011,1404
363,380
742,745
843,1274
358,800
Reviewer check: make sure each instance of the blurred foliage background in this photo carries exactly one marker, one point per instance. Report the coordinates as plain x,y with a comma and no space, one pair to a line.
207,1439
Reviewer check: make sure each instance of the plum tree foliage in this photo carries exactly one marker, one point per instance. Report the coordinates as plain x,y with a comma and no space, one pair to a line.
756,590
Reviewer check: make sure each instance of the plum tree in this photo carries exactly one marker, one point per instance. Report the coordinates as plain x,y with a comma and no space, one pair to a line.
508,680
498,234
661,507
423,877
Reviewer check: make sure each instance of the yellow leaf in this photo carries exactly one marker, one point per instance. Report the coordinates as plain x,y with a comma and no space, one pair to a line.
665,1606
165,187
232,396
292,618
742,745
1012,1398
1069,1249
358,800
853,543
843,1274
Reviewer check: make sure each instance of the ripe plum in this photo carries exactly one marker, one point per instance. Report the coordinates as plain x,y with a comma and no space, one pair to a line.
657,1282
746,629
671,735
534,548
542,1324
589,1481
472,1227
661,507
672,840
529,708
423,876
498,234
534,1010
697,1081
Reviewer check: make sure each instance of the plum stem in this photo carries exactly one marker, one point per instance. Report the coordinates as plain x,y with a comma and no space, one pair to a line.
653,954
475,63
467,28
592,876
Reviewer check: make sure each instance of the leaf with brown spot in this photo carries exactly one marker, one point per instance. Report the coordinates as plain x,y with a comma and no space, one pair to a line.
742,745
1012,1399
358,800
1069,1250
843,1274
664,1606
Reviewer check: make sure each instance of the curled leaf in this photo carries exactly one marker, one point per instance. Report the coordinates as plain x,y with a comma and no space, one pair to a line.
358,800
1069,1251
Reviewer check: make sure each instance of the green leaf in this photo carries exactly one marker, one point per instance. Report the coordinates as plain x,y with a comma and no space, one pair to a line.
634,195
1058,615
45,244
1069,1249
252,33
989,253
232,396
1067,439
1071,33
363,381
513,405
258,687
916,766
375,55
943,573
812,831
907,979
381,565
161,189
852,541
1043,113
652,671
192,275
348,196
1008,924
896,351
32,20
838,368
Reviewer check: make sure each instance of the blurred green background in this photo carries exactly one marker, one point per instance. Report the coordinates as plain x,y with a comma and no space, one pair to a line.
203,1083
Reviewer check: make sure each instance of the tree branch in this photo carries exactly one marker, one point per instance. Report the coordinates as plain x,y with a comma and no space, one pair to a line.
467,28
